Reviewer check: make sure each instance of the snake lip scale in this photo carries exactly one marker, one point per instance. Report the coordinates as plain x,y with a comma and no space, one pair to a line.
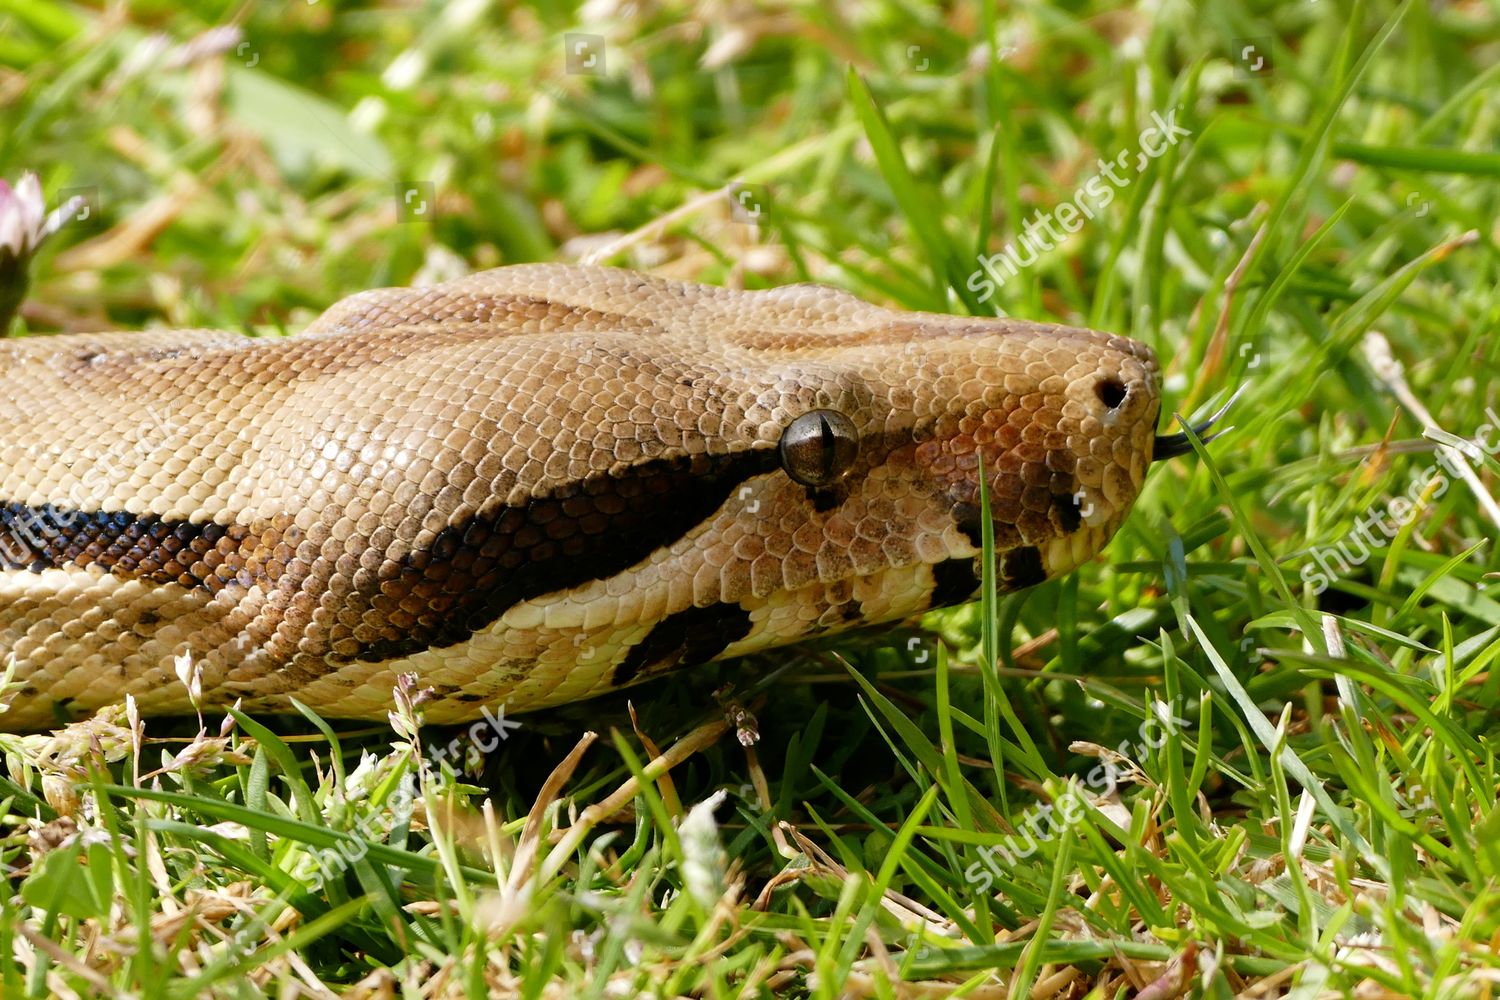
533,485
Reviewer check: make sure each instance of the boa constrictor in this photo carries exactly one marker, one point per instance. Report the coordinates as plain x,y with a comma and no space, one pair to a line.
530,486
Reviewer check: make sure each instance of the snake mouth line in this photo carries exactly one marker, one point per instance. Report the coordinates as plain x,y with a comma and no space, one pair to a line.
1173,445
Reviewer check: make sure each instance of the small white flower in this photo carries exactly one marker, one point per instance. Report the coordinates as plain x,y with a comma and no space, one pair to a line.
23,216
703,860
188,673
363,778
24,220
24,224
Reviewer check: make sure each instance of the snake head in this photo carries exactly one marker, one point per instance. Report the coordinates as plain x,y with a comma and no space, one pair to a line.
1061,423
886,428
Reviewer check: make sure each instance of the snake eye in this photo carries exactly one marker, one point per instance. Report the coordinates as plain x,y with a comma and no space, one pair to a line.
819,447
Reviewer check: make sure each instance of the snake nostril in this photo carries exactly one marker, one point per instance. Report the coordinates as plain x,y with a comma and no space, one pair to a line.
1111,392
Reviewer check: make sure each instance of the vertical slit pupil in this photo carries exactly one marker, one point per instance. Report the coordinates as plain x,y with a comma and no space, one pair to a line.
825,428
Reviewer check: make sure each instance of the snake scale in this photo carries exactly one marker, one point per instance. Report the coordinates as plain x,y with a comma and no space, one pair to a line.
530,486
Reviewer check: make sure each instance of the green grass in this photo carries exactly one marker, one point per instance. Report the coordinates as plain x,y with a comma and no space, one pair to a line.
1319,821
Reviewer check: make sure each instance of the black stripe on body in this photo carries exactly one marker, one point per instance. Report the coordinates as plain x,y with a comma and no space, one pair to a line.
436,596
139,546
954,582
1069,513
695,635
967,517
476,570
1022,567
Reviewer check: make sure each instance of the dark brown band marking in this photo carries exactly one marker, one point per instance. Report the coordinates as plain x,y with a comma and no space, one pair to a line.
695,635
966,516
954,582
477,569
147,547
1069,513
826,499
1022,567
436,596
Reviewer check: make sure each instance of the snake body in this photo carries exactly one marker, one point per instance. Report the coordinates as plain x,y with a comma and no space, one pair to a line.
530,486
